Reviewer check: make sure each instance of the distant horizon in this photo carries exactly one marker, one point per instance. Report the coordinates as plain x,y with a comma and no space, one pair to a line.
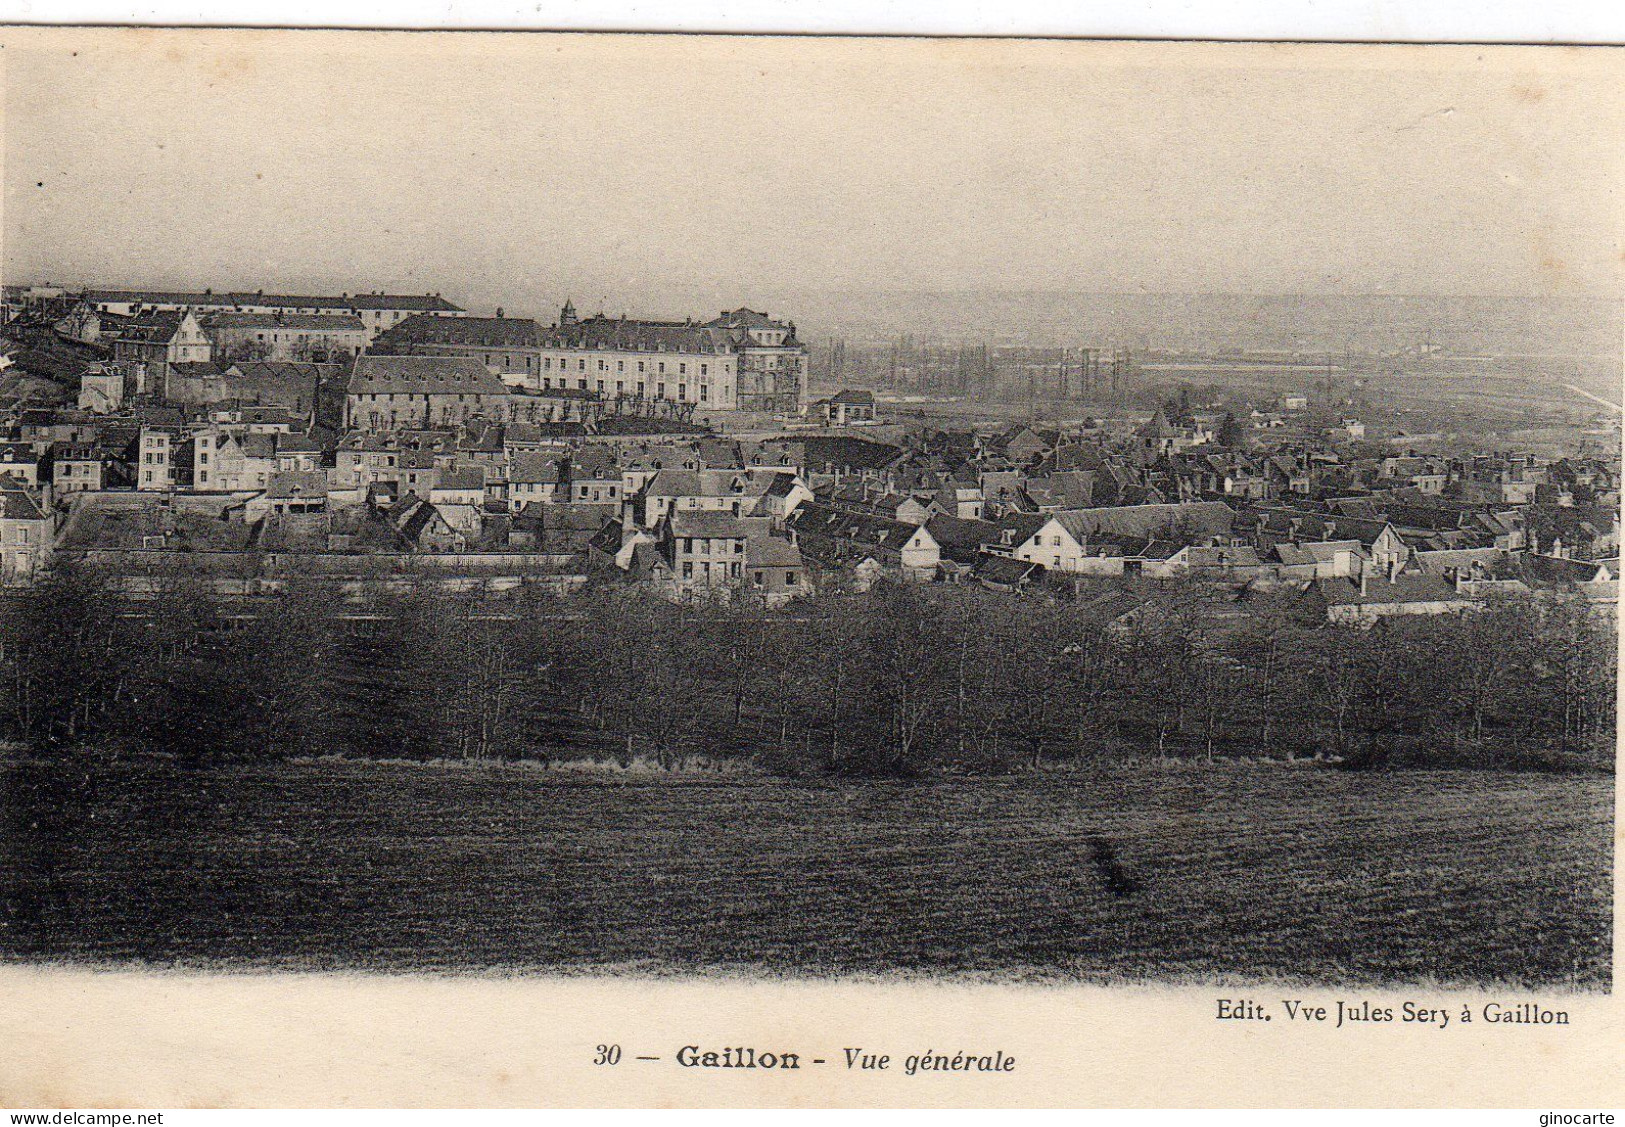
656,172
452,294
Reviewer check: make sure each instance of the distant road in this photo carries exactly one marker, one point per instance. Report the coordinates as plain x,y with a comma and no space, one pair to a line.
1595,398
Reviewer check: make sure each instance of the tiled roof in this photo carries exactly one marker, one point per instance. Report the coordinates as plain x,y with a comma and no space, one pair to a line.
469,477
1201,519
536,468
627,335
427,303
475,332
297,483
15,504
422,375
701,523
1412,588
771,551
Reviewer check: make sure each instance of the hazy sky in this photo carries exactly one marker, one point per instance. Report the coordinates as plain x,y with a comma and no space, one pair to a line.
517,169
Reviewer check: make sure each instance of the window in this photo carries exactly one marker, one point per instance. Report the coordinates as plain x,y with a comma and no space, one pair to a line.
682,391
22,535
682,369
203,475
704,368
688,570
757,579
661,367
203,458
620,365
789,579
660,390
581,366
603,366
640,365
600,387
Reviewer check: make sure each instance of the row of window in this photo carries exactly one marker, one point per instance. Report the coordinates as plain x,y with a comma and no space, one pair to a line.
620,366
757,578
701,546
641,389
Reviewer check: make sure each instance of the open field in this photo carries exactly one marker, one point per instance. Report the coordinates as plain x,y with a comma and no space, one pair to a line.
1236,872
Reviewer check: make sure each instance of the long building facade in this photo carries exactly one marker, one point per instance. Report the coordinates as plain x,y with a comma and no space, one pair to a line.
740,361
377,312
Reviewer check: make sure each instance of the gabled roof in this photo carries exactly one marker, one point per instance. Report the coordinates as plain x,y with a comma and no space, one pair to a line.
1198,520
291,484
537,468
771,551
709,525
466,477
1005,571
961,539
18,504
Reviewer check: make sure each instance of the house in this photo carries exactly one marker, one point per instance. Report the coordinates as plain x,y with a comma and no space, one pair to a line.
301,337
25,532
1022,445
736,492
103,387
1037,538
157,458
1364,600
227,461
290,492
595,476
961,498
20,462
152,345
960,541
847,407
1003,573
402,392
89,325
462,486
1320,559
841,540
421,526
706,548
537,478
775,568
78,468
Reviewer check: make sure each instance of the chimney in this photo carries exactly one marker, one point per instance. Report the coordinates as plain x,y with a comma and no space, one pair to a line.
1364,570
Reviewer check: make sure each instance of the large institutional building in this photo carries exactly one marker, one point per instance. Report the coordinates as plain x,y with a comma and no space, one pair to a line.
377,312
740,361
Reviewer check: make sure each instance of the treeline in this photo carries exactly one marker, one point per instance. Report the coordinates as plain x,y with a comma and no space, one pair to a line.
897,681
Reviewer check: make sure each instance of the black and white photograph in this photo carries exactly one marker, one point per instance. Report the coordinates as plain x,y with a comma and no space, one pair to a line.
764,510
